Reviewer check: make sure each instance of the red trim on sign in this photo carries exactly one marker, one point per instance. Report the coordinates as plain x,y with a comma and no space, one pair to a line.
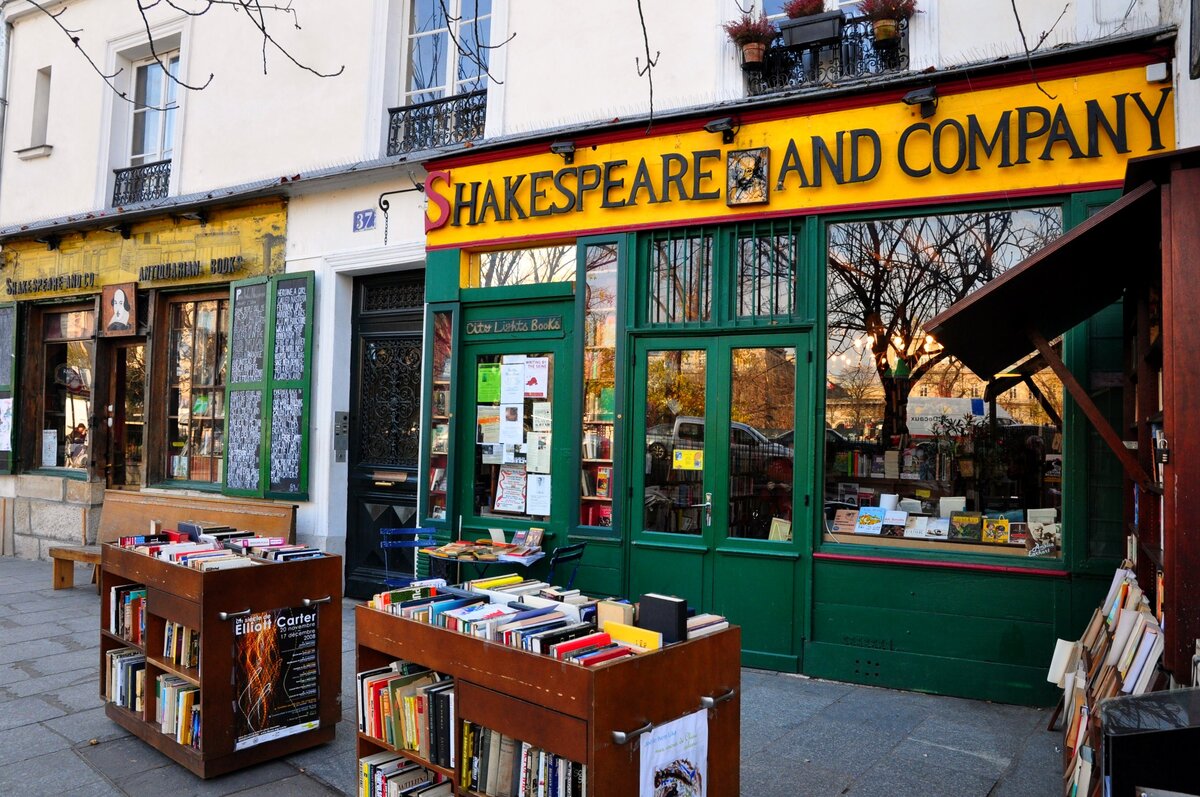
731,217
953,85
889,560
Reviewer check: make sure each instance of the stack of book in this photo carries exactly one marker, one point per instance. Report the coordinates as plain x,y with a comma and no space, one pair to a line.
410,708
181,645
496,765
178,714
127,612
125,676
388,774
210,546
1118,653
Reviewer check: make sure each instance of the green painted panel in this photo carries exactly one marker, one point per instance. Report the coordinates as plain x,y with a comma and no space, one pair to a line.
670,571
1002,683
769,661
442,275
598,582
968,593
926,632
757,593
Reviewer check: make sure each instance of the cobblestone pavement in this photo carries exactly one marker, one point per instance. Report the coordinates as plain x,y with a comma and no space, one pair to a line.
800,737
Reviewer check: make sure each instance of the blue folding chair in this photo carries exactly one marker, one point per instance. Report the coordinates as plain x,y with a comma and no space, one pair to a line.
396,538
562,555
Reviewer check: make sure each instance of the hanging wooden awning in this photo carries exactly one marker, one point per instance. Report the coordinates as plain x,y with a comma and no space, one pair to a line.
1053,290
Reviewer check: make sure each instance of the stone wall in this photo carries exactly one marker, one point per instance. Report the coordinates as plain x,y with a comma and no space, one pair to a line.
52,510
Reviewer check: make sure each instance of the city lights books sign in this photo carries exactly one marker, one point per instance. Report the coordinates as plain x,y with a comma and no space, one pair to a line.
275,675
1001,139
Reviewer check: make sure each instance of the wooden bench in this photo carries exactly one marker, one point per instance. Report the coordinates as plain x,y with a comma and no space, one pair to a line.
125,513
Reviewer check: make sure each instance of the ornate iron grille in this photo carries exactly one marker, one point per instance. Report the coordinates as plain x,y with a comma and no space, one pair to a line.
857,54
390,400
438,123
141,183
392,296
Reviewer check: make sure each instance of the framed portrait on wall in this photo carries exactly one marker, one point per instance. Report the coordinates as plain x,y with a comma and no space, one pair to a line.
118,310
747,181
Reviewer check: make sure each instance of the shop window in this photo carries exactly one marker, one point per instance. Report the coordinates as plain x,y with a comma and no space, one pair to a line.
536,266
68,350
766,272
439,438
598,444
919,451
681,278
196,390
8,372
761,442
513,420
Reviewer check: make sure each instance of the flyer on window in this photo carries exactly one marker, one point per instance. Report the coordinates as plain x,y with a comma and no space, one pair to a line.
275,676
512,423
537,449
510,489
512,379
537,501
537,377
542,416
49,448
6,424
675,758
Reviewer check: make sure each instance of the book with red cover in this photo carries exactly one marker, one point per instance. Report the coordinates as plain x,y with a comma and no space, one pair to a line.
563,648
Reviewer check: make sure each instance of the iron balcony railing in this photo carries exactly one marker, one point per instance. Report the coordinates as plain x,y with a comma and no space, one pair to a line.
856,54
437,123
141,183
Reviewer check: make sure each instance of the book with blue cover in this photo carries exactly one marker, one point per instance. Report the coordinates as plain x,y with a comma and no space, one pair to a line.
870,520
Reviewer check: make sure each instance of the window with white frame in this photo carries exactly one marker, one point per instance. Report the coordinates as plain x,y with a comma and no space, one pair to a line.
447,48
154,107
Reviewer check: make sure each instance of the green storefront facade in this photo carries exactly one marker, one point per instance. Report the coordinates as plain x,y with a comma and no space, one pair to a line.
671,297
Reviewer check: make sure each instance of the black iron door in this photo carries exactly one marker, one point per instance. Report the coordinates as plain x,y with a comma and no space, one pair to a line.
385,402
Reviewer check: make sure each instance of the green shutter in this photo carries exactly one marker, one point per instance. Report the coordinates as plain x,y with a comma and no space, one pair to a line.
269,384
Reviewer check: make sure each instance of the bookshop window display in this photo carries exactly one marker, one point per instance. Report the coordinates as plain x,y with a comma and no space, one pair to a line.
196,393
69,348
535,266
512,442
920,452
598,443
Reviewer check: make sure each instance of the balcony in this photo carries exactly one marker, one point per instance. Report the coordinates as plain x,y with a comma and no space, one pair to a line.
141,183
856,54
438,123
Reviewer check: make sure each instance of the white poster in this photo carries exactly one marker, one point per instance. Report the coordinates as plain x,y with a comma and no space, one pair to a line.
49,448
510,489
675,758
537,452
512,380
487,424
537,501
512,423
537,377
491,453
6,424
541,416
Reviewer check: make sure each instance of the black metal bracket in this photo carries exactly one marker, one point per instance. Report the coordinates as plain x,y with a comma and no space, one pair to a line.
385,206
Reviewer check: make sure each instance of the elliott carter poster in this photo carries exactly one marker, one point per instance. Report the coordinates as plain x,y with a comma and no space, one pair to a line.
276,687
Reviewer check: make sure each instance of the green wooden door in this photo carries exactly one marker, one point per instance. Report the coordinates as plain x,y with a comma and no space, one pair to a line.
714,510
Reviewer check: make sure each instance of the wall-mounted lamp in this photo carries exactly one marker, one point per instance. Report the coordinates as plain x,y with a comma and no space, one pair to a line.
564,148
124,230
196,215
927,98
727,126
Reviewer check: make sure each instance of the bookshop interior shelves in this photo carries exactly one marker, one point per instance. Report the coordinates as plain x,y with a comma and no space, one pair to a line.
567,709
175,594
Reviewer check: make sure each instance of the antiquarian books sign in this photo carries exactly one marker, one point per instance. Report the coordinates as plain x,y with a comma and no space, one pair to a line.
275,676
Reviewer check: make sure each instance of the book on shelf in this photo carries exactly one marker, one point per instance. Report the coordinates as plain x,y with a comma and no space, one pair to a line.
603,481
966,526
496,765
844,520
894,521
995,530
387,773
870,520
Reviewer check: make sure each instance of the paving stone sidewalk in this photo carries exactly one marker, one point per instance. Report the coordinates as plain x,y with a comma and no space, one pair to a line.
800,737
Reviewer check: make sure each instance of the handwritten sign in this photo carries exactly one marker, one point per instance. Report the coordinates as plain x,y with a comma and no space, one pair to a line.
248,337
291,313
287,438
8,320
243,448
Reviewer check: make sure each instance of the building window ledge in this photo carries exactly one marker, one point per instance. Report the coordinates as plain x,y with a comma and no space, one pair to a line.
34,152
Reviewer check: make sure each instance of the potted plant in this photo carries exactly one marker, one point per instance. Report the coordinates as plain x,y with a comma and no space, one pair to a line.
809,24
886,15
752,35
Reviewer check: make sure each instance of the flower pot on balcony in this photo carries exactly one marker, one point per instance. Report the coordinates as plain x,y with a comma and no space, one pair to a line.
812,31
887,30
752,56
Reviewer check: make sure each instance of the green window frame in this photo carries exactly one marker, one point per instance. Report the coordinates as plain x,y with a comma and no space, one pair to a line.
8,381
282,389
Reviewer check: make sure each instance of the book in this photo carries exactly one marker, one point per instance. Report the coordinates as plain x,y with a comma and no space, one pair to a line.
893,524
603,481
995,530
644,638
966,526
938,528
665,614
617,611
916,526
780,530
844,521
870,520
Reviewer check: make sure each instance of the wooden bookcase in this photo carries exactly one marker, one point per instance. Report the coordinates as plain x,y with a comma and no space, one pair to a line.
197,600
568,709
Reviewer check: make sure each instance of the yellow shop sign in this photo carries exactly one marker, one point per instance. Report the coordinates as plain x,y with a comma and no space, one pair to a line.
231,243
1002,140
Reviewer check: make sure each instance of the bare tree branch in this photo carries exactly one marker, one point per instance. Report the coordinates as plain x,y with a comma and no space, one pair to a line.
474,56
1025,43
142,9
648,69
